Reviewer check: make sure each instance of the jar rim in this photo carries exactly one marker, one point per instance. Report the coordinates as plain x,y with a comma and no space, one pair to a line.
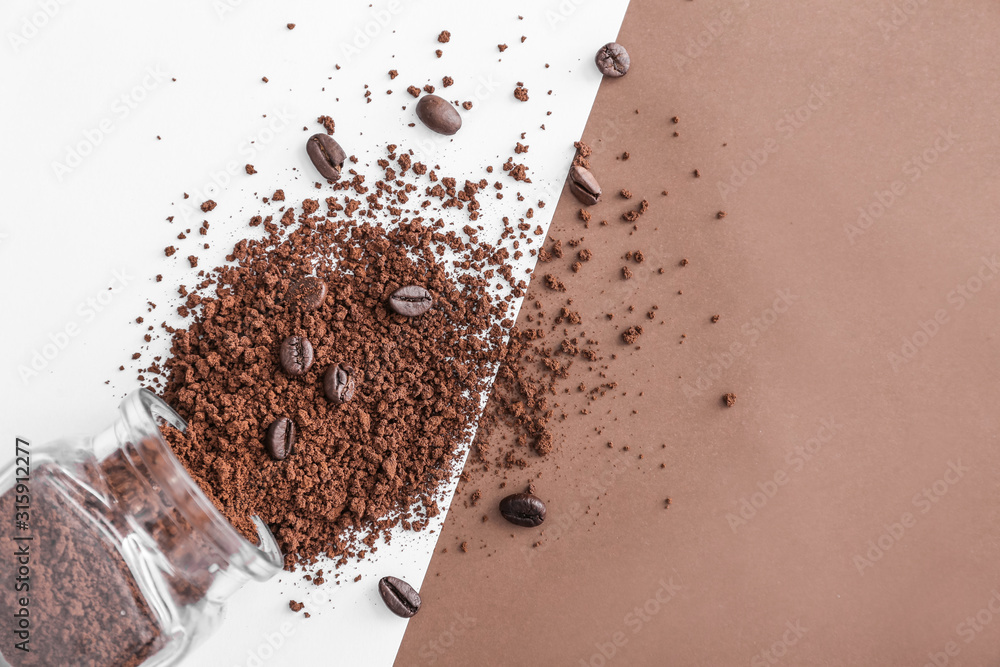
142,411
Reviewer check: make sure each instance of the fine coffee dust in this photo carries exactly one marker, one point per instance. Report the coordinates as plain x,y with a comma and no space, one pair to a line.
362,467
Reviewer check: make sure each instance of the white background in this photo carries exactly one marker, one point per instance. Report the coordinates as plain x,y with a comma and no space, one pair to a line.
95,79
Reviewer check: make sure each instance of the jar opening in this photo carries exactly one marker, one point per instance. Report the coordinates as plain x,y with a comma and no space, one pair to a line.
142,414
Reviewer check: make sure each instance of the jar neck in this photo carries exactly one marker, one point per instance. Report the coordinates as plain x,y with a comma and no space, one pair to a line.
163,503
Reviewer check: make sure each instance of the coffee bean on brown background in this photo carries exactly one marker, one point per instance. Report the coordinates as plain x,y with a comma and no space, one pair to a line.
399,596
326,155
307,293
613,60
411,300
338,383
280,438
584,185
296,355
438,114
523,509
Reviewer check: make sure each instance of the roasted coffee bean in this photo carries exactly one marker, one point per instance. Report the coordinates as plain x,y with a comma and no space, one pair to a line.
439,115
338,383
523,509
307,293
326,155
411,300
296,355
280,439
399,596
613,60
584,186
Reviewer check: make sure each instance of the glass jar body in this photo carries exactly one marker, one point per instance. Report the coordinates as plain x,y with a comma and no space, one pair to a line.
121,559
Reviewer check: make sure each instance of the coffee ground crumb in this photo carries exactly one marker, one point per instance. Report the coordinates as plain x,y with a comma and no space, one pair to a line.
631,335
729,400
327,124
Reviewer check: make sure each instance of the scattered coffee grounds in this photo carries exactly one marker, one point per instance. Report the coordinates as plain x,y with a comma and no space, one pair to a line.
85,607
361,466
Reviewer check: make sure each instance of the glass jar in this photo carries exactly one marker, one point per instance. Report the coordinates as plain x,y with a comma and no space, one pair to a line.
113,556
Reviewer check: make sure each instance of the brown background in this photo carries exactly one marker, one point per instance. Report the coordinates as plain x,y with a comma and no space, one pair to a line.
888,95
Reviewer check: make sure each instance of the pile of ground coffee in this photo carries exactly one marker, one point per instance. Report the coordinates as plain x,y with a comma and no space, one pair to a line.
361,467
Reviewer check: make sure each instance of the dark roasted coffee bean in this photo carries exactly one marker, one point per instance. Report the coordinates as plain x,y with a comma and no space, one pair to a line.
613,60
584,186
411,300
523,509
326,155
399,596
438,114
280,438
338,383
307,293
296,355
